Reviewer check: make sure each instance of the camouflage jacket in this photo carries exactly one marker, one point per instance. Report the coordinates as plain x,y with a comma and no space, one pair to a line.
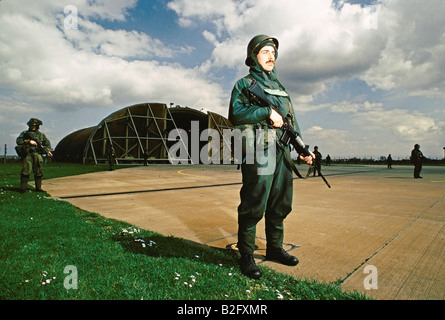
23,142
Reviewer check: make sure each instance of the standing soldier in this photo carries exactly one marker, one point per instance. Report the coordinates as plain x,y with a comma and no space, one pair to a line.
328,160
111,155
389,159
268,195
417,160
31,144
145,155
317,161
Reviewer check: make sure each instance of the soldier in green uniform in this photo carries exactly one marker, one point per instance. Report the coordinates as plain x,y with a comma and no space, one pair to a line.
317,161
263,194
29,149
417,160
111,155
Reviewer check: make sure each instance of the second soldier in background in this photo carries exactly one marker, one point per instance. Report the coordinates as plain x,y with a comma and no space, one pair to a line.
31,144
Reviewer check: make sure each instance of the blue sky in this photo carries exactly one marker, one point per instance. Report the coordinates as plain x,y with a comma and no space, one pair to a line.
367,78
157,20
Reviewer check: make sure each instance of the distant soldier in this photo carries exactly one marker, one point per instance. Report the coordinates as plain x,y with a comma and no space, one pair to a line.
317,162
111,155
417,160
31,144
145,155
328,160
389,161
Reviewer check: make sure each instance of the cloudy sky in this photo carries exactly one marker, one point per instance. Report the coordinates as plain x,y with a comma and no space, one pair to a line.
367,78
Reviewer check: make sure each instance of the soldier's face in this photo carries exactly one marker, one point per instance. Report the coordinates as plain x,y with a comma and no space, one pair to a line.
266,58
33,127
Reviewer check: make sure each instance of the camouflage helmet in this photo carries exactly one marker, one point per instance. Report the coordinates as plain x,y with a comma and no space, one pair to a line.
34,122
257,43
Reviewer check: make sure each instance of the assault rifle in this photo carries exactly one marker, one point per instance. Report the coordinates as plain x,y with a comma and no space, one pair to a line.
44,149
289,136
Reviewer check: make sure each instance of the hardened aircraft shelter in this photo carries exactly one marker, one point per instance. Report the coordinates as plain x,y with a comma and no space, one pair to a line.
140,133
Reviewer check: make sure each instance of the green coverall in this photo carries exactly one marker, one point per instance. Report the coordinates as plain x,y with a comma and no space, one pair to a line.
268,195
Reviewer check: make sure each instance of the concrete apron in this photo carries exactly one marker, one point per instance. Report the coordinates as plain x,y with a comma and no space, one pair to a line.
377,231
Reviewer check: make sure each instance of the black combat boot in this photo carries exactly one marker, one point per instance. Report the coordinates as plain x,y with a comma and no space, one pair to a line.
23,183
38,181
281,256
249,267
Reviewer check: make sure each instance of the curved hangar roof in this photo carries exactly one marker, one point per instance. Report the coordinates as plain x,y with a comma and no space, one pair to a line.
136,133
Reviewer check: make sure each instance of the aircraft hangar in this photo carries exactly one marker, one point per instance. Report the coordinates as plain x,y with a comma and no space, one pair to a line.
139,132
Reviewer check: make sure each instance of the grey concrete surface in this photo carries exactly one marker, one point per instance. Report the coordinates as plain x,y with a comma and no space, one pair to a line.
377,230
